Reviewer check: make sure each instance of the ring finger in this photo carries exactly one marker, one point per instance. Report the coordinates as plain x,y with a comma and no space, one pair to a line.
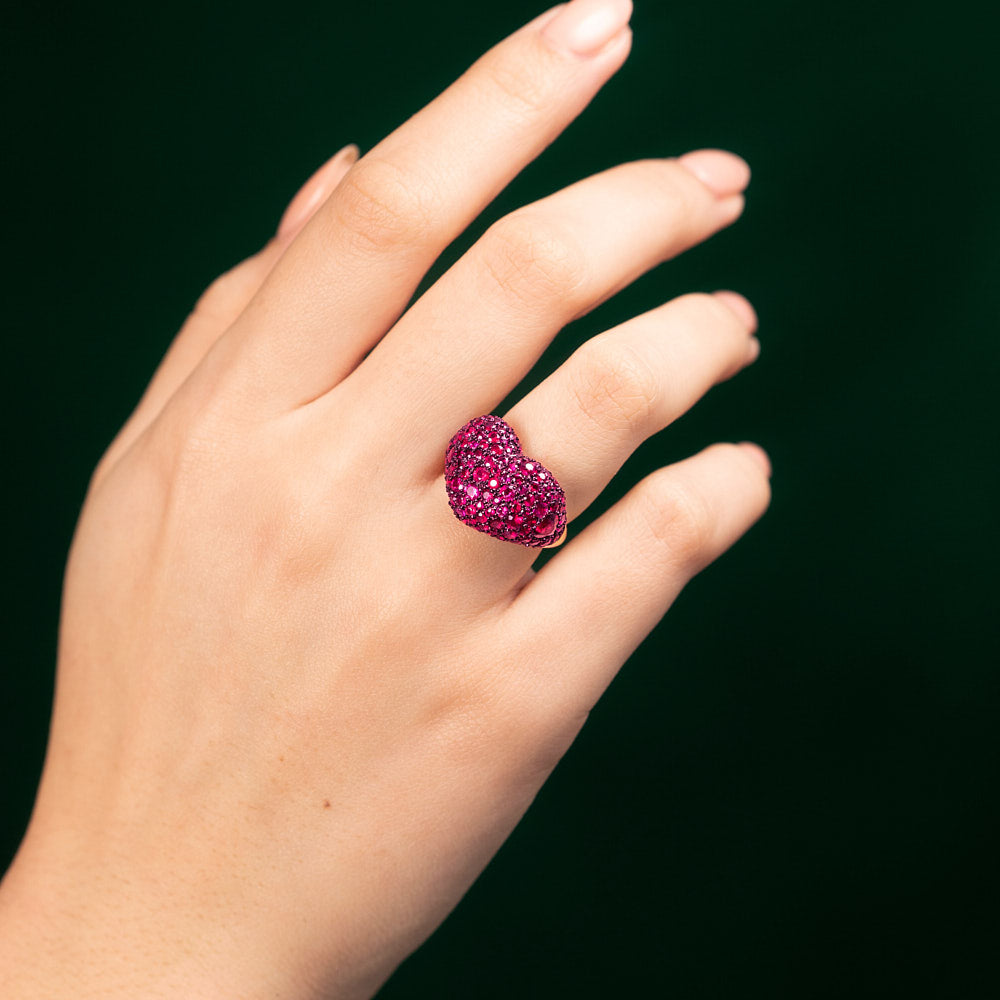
626,384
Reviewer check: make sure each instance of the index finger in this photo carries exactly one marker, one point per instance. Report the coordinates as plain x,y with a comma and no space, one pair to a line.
355,266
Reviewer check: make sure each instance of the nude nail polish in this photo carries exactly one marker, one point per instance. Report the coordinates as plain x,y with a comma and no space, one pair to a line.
584,27
723,173
316,189
758,454
740,305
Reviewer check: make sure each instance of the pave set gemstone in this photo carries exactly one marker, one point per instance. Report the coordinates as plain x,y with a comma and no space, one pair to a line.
495,488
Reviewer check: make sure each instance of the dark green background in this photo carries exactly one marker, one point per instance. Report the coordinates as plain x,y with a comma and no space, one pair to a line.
791,790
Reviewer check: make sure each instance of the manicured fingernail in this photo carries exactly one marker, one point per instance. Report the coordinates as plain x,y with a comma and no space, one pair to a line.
758,455
316,190
721,172
740,306
586,26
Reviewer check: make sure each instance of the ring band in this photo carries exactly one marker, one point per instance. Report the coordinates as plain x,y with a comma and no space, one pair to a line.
495,488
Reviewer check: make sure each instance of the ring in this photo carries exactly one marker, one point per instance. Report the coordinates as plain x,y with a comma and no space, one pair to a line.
495,488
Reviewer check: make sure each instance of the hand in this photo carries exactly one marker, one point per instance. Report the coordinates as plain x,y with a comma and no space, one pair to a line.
299,704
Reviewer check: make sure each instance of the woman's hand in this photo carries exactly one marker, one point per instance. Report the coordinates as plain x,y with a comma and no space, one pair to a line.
299,704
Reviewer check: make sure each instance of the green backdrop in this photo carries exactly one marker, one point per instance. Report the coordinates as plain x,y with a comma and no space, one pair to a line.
791,789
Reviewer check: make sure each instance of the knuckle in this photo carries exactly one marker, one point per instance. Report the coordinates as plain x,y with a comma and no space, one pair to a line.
677,517
103,468
522,85
191,440
519,727
466,714
220,302
188,451
382,207
215,294
614,385
533,260
289,546
460,717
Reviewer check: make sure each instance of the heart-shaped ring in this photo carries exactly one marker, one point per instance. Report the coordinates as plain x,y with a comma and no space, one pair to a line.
495,488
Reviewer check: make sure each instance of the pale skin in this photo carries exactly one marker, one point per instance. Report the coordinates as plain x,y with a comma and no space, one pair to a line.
299,704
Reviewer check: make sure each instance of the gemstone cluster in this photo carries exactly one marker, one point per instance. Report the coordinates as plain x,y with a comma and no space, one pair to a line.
495,488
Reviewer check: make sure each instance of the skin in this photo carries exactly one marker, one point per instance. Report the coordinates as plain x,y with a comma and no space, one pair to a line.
299,705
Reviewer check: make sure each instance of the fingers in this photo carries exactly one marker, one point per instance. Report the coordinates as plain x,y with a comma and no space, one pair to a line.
626,384
223,301
355,266
612,583
480,328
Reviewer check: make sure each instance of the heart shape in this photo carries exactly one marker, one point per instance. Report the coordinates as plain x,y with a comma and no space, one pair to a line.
495,488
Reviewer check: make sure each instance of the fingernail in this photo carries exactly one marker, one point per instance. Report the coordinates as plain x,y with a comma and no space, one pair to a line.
316,190
753,351
758,455
721,172
739,305
586,26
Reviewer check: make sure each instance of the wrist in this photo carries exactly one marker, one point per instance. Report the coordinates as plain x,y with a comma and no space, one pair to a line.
75,928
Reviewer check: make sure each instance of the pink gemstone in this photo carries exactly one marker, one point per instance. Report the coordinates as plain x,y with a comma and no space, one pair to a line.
495,488
546,526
